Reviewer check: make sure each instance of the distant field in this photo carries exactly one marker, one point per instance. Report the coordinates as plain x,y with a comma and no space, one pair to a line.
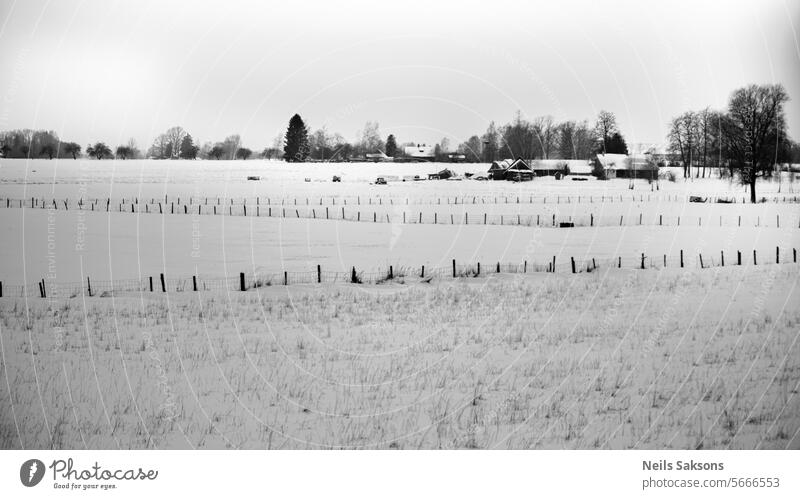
61,245
703,359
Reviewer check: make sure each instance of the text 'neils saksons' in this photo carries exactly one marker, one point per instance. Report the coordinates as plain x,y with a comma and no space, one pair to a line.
664,465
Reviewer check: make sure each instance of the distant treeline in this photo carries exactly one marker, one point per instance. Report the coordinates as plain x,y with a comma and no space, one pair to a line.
748,138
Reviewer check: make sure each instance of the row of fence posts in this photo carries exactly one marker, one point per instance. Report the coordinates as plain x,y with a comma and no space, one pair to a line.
505,199
551,267
375,215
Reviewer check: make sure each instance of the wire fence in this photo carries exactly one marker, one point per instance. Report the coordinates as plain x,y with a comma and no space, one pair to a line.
400,216
351,200
401,274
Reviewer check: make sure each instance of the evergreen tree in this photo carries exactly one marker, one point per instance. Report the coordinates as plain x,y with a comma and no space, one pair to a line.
391,146
616,144
296,147
188,150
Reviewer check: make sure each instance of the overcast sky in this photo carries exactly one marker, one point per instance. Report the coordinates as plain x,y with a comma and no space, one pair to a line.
109,70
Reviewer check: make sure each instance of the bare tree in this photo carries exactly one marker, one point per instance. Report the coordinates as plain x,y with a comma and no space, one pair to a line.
370,138
544,130
518,139
605,127
175,137
683,133
704,136
231,145
756,118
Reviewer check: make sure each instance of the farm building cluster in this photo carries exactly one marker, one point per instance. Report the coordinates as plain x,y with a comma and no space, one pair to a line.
612,166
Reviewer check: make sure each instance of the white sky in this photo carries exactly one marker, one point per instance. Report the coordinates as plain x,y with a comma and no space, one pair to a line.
110,70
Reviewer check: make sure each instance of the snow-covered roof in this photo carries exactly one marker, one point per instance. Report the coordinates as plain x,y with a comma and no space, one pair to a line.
574,165
503,164
614,161
419,151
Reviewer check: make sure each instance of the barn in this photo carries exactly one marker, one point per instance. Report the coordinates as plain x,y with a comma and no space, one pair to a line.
551,167
624,166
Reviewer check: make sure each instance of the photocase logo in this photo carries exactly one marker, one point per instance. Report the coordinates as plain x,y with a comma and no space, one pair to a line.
31,472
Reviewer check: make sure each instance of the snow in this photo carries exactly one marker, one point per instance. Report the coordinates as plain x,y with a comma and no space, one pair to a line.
603,360
614,358
68,245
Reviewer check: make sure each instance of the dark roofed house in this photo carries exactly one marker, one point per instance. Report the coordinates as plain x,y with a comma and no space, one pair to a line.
519,171
498,169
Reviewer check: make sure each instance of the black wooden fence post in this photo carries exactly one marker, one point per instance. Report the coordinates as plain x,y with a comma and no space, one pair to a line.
319,274
738,257
151,284
422,274
722,258
194,282
572,259
353,277
554,263
643,261
755,261
454,267
163,284
89,285
241,281
681,258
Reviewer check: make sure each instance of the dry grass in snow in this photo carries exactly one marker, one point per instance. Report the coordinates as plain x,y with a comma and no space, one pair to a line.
602,360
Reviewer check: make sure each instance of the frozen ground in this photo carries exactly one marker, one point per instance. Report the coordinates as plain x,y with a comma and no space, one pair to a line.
703,359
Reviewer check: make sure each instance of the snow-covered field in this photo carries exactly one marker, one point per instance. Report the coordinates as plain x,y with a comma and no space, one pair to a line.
618,358
69,245
622,359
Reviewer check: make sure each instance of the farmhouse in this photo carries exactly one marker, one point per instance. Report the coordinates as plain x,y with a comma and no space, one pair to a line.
516,170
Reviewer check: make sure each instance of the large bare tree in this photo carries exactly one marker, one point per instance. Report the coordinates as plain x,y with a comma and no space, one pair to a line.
175,137
753,128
